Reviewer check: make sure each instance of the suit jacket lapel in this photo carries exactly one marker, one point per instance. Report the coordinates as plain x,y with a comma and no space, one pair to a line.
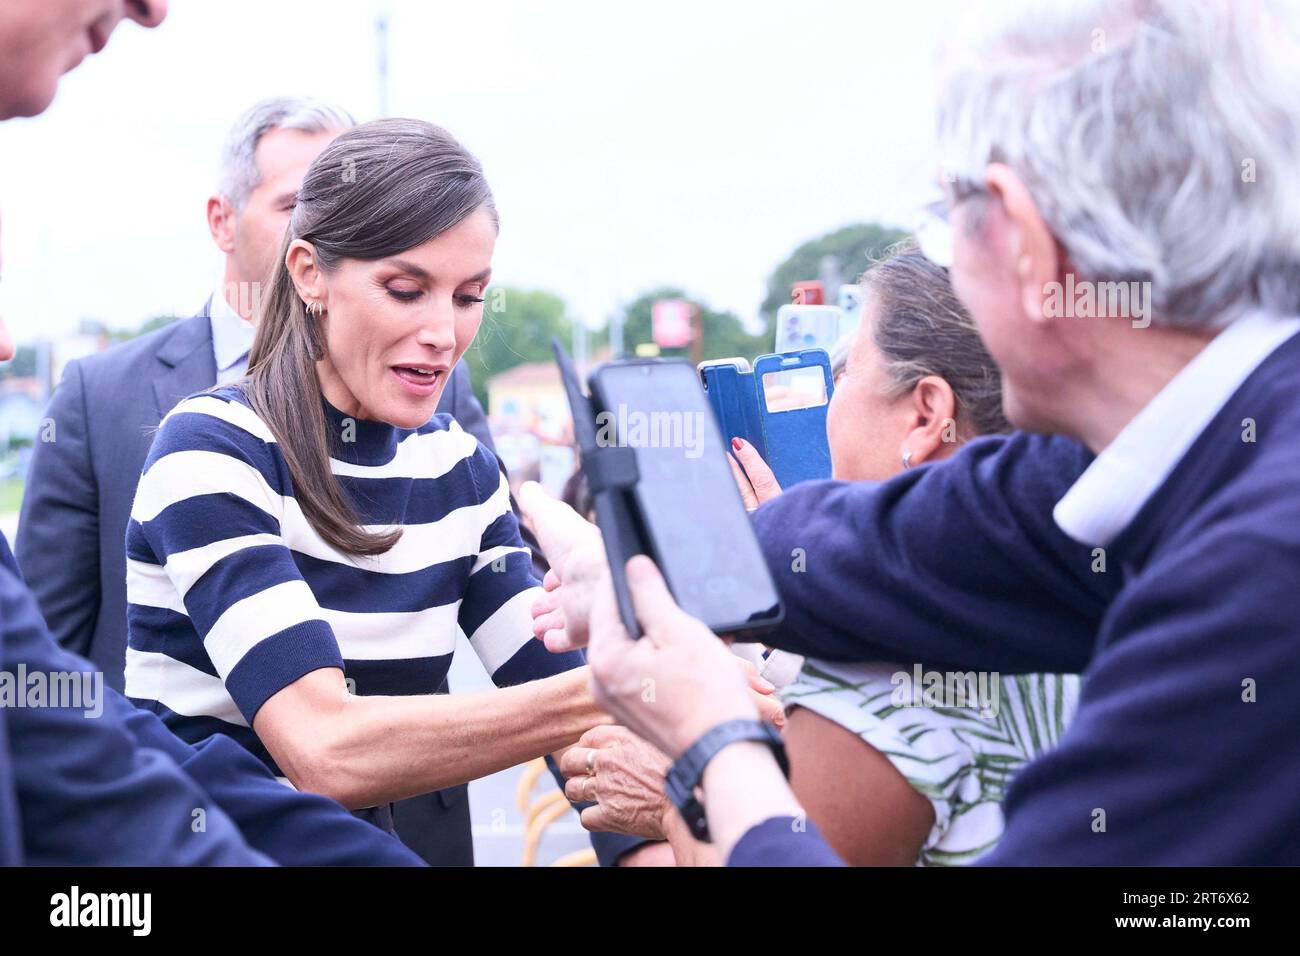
187,364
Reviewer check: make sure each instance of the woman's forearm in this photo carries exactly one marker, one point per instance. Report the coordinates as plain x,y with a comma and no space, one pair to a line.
362,751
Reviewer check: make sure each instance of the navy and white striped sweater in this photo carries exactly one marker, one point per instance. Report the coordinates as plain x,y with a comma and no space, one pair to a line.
233,596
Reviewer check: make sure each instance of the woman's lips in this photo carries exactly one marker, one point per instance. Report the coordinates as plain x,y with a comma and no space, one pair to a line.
417,383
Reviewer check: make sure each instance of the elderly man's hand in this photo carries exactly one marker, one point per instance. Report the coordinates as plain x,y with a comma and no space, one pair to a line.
549,625
576,551
673,684
624,775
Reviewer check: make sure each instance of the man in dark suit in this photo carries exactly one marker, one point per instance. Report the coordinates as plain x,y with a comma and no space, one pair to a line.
72,531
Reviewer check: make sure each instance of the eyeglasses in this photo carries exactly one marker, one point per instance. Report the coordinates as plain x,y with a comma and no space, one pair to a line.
933,230
933,233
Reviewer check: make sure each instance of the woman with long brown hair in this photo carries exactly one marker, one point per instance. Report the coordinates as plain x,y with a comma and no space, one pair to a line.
306,544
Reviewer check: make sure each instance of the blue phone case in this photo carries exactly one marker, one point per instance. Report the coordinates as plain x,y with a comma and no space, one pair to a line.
792,442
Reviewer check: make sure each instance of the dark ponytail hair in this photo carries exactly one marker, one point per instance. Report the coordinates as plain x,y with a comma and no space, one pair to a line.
379,189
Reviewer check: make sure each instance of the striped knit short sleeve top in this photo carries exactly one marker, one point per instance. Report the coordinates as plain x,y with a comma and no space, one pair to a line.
232,595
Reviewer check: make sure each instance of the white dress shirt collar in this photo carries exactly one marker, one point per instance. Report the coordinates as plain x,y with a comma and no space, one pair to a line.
1110,493
232,337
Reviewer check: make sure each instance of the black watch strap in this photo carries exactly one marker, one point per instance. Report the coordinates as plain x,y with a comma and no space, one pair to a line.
684,775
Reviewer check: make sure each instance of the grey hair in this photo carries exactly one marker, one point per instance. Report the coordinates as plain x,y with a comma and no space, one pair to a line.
239,172
1159,139
920,328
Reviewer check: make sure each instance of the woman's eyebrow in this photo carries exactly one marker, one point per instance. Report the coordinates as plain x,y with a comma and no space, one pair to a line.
410,267
421,273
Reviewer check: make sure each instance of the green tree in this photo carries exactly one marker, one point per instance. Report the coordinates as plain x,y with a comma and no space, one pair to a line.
851,248
517,327
724,334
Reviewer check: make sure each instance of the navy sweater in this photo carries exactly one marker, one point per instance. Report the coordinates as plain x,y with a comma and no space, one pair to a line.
121,789
1184,749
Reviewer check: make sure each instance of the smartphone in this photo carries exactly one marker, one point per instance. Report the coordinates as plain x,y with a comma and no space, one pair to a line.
689,513
778,407
794,393
852,297
807,327
729,386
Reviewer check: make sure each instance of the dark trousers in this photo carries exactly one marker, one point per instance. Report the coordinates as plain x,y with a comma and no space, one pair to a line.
436,826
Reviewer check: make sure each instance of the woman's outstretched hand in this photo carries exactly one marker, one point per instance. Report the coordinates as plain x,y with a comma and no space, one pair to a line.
576,552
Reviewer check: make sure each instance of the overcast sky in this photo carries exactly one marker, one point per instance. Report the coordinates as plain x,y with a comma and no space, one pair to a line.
694,143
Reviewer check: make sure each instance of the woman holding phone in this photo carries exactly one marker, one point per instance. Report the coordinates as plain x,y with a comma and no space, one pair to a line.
305,544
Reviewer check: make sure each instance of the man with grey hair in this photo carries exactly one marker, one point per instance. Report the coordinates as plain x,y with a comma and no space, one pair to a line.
265,157
1124,235
72,530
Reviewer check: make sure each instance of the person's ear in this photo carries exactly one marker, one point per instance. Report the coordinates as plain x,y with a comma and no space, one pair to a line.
300,260
221,223
1037,257
932,421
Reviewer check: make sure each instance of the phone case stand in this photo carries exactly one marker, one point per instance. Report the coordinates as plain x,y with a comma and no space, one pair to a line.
611,473
793,443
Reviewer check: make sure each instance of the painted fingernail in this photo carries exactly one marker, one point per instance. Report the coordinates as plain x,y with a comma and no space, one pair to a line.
737,444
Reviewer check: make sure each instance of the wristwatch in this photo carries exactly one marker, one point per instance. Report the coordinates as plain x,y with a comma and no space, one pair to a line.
684,775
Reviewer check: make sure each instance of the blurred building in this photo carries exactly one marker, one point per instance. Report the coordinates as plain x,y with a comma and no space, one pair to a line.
529,414
529,398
